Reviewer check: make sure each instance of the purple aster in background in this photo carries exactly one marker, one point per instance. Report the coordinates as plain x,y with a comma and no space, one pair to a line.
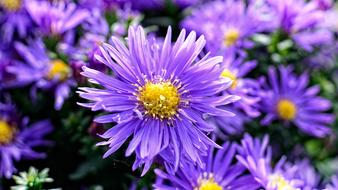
18,139
227,24
55,18
236,70
288,98
302,21
159,95
255,155
13,19
220,172
96,30
43,72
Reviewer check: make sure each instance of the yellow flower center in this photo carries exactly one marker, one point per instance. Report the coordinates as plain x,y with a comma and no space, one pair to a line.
6,132
10,5
160,100
278,182
231,36
207,182
59,69
286,109
227,74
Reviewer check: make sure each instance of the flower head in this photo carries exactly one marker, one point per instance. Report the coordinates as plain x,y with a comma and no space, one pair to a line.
159,94
255,155
302,20
45,73
17,139
14,20
55,18
220,172
288,98
230,29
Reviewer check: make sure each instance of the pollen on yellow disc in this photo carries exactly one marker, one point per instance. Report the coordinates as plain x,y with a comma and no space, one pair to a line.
6,132
58,69
209,185
160,100
10,5
279,183
231,36
286,109
228,74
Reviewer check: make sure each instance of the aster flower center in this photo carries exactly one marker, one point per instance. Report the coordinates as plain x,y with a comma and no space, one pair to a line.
279,182
10,5
231,36
286,109
207,182
58,69
228,74
6,133
160,100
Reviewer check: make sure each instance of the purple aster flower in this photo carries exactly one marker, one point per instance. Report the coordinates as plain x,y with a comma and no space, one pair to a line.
302,21
13,20
333,185
45,73
236,70
220,172
255,155
158,94
18,139
55,18
286,97
230,29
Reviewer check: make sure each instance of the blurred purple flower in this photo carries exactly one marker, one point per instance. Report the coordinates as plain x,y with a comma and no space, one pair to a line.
286,97
159,95
220,172
17,139
227,24
13,19
55,18
302,21
45,73
236,70
255,155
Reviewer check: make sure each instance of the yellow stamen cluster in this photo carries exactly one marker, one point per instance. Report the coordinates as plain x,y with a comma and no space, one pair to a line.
10,5
6,133
59,70
207,182
159,100
231,36
286,109
228,74
278,182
